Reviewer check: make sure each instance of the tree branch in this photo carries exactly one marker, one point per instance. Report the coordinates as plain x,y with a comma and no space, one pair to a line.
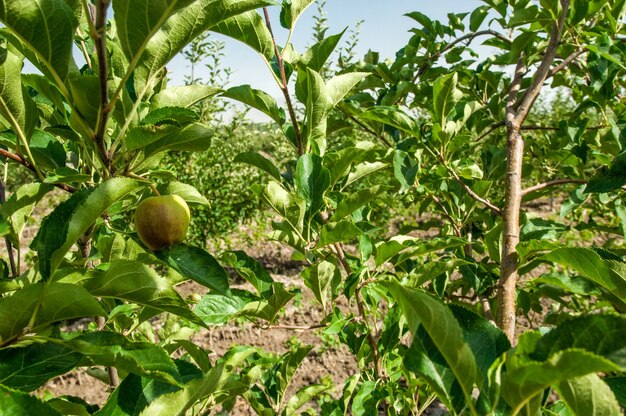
548,184
370,131
544,67
284,87
22,161
99,36
568,60
468,37
6,239
378,370
473,194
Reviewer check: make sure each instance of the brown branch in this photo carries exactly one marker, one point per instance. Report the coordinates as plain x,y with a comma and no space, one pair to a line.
378,370
284,87
293,327
555,182
468,37
499,124
492,128
99,37
471,192
438,202
370,131
514,90
568,60
24,162
3,196
544,67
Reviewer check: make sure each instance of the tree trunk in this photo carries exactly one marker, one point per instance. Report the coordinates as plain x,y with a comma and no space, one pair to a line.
511,229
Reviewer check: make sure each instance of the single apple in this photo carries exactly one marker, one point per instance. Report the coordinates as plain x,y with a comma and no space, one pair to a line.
162,221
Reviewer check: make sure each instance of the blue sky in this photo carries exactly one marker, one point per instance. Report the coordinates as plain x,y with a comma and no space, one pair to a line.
384,29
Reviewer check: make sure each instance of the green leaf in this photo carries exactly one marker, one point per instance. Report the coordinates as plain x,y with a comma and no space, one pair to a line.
261,162
486,341
151,34
216,309
291,11
15,101
477,17
46,28
69,221
179,402
268,309
304,396
53,302
618,386
312,180
133,282
85,91
311,90
588,395
20,205
284,370
189,193
609,179
317,55
392,116
522,384
17,403
363,169
319,279
608,273
583,332
177,116
249,28
192,138
251,270
30,367
356,200
135,393
182,96
342,231
409,247
257,99
66,175
422,310
113,349
47,151
365,402
339,86
405,169
196,264
445,96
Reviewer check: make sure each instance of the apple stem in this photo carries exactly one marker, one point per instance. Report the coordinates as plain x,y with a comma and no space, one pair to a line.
155,190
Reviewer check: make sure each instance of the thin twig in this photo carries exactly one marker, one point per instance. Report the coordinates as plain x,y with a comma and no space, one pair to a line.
555,182
99,36
491,129
6,239
544,67
83,48
473,194
468,37
378,371
437,201
284,87
24,162
568,60
295,327
370,131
